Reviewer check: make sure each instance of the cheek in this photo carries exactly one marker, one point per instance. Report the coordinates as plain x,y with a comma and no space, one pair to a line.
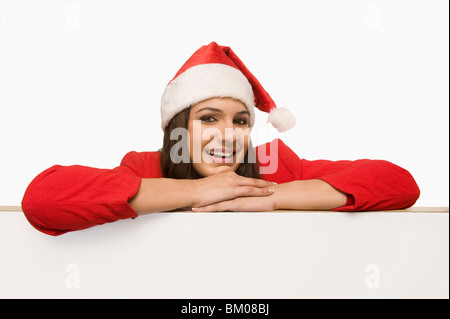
193,142
196,145
243,139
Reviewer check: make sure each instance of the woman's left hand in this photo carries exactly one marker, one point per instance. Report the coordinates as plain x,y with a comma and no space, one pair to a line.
241,204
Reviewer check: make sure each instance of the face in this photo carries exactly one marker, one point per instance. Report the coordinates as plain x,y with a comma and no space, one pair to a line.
219,135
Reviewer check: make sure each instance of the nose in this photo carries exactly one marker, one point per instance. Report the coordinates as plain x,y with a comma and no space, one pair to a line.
227,135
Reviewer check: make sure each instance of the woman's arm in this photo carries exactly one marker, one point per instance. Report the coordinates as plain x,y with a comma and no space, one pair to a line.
162,194
369,184
165,194
67,198
311,194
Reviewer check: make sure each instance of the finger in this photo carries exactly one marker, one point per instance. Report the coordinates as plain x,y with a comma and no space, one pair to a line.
208,208
255,182
204,209
246,191
227,205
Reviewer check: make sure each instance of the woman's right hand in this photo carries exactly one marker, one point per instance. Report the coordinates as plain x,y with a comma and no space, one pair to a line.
228,185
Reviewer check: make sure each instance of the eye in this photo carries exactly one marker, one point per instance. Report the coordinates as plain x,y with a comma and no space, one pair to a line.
241,121
207,118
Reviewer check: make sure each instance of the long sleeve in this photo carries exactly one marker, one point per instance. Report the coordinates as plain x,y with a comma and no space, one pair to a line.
369,184
68,198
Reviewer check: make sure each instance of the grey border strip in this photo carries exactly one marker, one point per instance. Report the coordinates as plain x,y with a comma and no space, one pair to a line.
408,210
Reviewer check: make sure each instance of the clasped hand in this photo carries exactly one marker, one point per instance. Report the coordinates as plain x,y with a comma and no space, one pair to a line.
228,191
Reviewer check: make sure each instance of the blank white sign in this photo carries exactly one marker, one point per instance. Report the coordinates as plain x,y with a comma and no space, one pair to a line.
232,255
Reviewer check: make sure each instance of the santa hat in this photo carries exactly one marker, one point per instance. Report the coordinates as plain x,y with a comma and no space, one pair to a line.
216,71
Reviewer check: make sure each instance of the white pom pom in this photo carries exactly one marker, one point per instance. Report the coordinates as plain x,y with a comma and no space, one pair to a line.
281,118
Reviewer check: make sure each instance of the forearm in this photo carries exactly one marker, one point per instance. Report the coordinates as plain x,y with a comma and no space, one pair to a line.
162,194
311,194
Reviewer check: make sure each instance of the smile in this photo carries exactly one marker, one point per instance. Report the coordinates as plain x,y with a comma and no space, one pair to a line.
221,156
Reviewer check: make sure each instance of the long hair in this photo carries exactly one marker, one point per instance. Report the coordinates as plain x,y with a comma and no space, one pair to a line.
185,169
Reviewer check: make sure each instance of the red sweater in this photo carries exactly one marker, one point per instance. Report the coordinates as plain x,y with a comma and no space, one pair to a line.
69,198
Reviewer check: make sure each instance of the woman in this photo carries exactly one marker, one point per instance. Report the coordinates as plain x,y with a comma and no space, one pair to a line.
207,162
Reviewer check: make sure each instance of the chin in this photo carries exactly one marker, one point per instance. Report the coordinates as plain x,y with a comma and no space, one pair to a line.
216,169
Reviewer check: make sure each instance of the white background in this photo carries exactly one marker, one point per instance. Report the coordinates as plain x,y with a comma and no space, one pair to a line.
81,81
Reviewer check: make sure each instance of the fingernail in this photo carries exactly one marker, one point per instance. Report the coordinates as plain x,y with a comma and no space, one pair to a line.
274,183
271,190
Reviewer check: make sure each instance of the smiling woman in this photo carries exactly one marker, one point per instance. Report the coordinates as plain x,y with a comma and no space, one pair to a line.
223,140
208,163
188,154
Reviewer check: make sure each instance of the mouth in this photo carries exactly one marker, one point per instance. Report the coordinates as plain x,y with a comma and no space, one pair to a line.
221,155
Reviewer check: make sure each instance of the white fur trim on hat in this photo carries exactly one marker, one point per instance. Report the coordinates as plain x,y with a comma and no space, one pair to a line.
281,118
203,82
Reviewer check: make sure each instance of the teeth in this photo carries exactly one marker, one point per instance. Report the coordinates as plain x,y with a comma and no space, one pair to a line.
219,154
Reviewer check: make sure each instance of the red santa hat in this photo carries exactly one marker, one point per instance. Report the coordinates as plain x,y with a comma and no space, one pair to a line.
216,71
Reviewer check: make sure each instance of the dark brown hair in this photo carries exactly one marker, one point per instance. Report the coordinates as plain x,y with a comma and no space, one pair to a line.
185,169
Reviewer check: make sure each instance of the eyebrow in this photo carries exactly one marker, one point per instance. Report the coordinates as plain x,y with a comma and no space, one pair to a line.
220,111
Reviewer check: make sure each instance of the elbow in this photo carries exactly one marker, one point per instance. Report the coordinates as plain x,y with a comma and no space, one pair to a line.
383,185
36,204
403,187
36,214
413,191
